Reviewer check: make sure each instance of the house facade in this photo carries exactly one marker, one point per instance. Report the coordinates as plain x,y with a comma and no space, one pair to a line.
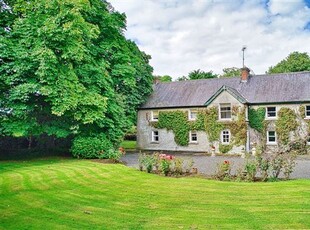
230,115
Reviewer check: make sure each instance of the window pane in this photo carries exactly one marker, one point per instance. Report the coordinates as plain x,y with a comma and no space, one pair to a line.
225,136
271,136
271,112
225,111
155,115
308,110
194,137
155,136
193,114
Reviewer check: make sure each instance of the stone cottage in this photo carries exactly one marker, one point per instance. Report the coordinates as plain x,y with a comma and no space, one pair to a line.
229,115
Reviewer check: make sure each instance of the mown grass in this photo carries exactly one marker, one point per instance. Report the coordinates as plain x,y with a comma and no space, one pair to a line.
129,145
81,194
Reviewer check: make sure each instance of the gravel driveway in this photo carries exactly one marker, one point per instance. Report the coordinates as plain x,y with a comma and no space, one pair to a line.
207,164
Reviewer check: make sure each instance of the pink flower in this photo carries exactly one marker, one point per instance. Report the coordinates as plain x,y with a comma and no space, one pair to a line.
226,162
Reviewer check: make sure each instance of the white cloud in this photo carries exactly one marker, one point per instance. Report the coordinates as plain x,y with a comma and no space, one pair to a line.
184,35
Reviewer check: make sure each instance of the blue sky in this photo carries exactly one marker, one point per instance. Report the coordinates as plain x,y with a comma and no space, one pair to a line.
185,35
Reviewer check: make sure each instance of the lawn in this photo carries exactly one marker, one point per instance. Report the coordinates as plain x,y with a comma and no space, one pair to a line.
81,194
129,145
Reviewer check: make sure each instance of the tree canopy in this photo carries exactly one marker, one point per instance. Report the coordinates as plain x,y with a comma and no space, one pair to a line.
67,69
294,62
165,78
231,72
198,74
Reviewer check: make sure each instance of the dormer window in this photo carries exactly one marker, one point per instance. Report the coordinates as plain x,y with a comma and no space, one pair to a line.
307,111
271,112
154,115
225,111
192,115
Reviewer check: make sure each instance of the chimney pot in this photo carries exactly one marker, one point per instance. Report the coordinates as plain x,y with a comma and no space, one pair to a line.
245,73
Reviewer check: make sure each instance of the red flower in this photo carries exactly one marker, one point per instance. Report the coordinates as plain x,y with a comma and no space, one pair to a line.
226,162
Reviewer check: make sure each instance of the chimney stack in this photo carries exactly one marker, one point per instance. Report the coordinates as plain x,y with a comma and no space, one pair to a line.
245,74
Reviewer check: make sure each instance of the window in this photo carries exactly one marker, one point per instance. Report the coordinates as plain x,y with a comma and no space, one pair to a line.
192,114
308,111
271,137
225,137
155,114
193,137
155,136
308,140
271,112
225,111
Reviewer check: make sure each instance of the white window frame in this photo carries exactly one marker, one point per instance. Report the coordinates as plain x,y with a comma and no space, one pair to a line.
307,116
276,113
225,105
155,136
275,137
154,118
190,113
225,132
191,133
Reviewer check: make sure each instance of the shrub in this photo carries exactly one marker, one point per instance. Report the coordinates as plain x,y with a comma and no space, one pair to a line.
147,162
92,147
225,148
250,169
165,164
223,171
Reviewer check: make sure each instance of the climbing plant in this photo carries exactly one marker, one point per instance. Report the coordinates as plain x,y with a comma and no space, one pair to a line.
238,127
207,121
177,121
256,118
285,124
302,112
212,127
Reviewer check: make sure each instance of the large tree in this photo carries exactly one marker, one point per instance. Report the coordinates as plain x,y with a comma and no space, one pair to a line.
67,69
294,62
231,72
198,74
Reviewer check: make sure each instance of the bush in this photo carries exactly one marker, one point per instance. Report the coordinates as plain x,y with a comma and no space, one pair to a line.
250,169
93,147
164,164
223,171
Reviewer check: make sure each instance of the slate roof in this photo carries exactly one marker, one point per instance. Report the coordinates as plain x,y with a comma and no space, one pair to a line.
259,89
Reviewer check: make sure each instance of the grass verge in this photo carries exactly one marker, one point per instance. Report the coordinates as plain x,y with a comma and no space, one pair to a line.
129,145
81,194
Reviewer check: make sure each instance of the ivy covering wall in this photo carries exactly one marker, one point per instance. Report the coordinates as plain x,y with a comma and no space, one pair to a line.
207,121
257,118
177,121
286,123
302,112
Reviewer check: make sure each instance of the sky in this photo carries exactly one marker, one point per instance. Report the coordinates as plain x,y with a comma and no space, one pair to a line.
186,35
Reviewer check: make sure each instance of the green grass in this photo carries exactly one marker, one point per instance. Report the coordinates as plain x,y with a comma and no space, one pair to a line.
129,144
81,194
